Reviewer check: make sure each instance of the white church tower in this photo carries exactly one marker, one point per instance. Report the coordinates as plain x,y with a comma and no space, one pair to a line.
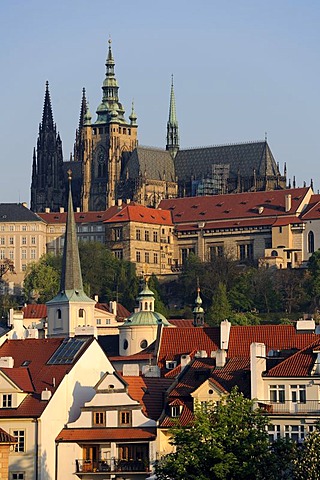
71,308
141,328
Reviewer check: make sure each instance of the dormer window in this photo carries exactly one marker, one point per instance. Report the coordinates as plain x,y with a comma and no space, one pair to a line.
125,418
175,411
170,365
7,400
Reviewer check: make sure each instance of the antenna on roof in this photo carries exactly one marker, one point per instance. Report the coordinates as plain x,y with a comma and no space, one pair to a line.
265,136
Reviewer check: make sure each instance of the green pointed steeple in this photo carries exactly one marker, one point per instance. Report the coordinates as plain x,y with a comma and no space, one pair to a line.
110,107
198,312
172,125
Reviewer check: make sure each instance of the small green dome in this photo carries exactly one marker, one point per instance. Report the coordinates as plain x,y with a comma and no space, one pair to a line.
146,318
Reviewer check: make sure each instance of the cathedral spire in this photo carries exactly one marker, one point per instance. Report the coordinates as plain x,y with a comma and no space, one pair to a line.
71,278
47,116
172,125
110,108
83,109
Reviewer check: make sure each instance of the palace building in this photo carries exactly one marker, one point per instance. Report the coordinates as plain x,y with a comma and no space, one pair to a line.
108,165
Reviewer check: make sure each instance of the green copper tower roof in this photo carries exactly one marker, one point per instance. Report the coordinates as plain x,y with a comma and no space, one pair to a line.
110,108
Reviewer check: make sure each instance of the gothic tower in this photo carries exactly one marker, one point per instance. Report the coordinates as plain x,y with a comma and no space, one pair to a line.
172,125
105,143
47,185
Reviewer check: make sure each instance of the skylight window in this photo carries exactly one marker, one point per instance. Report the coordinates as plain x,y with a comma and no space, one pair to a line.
68,351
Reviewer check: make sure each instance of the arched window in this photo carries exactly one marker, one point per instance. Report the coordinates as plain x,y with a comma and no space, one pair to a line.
125,344
311,242
81,313
146,305
143,344
59,313
274,253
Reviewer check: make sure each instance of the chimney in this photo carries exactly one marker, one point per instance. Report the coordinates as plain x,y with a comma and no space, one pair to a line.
61,209
78,209
6,362
185,359
119,202
225,326
96,298
45,395
113,307
221,357
287,202
47,210
258,365
24,204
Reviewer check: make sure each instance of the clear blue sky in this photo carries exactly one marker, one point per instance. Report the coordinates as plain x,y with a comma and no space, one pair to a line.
241,68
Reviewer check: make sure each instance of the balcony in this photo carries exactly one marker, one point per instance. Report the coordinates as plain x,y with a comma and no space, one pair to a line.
114,465
310,407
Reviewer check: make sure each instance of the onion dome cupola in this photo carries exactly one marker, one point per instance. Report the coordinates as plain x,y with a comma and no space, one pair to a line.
198,311
140,329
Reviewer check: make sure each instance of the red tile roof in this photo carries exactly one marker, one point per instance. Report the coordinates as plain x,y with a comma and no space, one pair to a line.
34,311
234,206
299,364
312,212
275,337
20,377
6,438
80,217
106,434
223,224
176,342
36,352
142,214
149,392
122,312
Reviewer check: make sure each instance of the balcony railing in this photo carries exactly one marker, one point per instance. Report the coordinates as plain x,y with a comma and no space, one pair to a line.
113,465
309,407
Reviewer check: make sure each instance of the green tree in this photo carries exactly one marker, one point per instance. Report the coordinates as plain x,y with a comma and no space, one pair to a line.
155,286
307,463
314,278
42,279
227,442
220,308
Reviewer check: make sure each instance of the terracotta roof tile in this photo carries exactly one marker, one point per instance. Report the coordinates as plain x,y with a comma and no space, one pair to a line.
6,438
106,434
149,392
20,377
142,214
80,217
233,206
34,311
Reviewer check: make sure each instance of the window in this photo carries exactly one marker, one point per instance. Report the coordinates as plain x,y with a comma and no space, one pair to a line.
81,312
17,476
277,393
118,254
175,411
155,258
155,236
11,228
185,252
280,229
125,344
24,240
99,418
2,254
11,255
246,252
24,228
33,240
310,242
20,437
98,321
215,251
2,241
274,432
23,267
7,401
147,236
138,256
147,257
23,254
117,233
268,243
295,432
138,234
125,417
33,254
59,313
107,321
143,344
298,393
11,241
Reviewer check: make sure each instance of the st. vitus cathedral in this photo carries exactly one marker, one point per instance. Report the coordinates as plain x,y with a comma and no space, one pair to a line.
108,165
